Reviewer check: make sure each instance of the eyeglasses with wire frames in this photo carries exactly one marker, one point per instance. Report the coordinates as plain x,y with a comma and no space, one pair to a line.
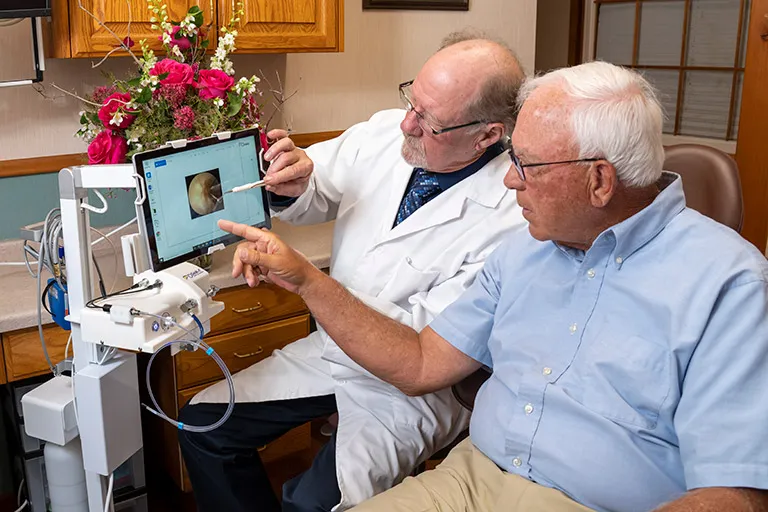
520,167
405,97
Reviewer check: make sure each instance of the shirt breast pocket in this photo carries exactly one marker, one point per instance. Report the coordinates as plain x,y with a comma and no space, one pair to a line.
406,281
627,379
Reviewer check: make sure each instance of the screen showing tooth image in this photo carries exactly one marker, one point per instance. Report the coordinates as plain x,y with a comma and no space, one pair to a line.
185,194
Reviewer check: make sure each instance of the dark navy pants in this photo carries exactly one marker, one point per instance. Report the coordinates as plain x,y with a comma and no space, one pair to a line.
226,471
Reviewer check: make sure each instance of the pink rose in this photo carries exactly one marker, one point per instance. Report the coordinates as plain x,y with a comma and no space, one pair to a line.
264,141
214,83
112,104
107,148
182,42
178,72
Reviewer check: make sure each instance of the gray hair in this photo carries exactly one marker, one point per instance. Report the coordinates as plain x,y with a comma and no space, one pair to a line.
616,116
497,99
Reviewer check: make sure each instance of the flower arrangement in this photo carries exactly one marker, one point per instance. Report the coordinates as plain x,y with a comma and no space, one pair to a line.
179,96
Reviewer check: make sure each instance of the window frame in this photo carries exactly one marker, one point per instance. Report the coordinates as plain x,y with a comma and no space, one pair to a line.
589,49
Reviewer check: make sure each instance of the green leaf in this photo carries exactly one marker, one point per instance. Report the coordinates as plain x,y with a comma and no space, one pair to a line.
235,103
83,119
94,118
194,10
135,82
205,43
163,76
144,96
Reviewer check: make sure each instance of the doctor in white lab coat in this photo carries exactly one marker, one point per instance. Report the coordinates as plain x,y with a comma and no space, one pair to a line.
407,267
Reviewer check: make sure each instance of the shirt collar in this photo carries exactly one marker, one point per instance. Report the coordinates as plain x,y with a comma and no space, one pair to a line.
448,179
636,231
626,237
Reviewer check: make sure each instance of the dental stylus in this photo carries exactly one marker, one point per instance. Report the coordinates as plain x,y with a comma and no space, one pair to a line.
247,186
256,184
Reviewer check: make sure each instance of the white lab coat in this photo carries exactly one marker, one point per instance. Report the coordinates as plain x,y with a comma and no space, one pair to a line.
409,273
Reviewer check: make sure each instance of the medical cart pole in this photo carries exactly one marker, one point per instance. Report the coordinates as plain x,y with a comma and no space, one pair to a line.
106,395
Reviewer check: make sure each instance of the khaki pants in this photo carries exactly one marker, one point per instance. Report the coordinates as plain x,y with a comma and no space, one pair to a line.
468,481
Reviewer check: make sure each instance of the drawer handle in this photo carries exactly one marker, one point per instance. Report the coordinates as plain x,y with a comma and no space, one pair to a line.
249,354
261,448
257,307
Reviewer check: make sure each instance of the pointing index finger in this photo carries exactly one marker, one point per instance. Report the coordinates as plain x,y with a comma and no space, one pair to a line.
244,231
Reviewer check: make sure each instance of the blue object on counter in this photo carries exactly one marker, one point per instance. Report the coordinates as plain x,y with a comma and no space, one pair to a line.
58,303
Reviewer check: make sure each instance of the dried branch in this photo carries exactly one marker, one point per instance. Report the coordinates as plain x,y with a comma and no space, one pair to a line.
113,50
278,94
41,91
105,27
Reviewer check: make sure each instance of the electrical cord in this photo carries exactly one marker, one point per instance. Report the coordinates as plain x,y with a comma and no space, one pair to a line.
111,485
103,237
200,344
117,263
19,504
139,287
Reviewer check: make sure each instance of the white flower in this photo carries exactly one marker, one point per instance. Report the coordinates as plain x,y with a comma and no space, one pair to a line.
221,53
166,38
218,102
117,118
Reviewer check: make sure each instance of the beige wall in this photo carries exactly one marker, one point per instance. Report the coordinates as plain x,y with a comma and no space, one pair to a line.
552,33
382,48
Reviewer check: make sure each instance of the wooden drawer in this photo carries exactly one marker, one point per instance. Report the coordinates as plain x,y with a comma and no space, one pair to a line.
239,350
3,378
246,307
24,355
294,441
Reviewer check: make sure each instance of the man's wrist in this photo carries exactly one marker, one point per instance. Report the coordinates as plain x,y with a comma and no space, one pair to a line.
313,284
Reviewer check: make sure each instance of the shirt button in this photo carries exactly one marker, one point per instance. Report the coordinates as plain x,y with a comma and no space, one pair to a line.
546,371
591,273
572,328
619,260
517,462
528,408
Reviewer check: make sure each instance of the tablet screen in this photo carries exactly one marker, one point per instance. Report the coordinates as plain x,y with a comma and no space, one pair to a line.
186,196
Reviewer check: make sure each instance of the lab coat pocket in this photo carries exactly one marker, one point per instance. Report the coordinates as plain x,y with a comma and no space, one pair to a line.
627,379
406,280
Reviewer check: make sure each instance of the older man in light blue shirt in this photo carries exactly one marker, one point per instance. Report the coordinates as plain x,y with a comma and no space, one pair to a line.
627,334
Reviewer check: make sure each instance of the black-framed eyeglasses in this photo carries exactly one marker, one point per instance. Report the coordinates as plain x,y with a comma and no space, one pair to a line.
520,168
405,97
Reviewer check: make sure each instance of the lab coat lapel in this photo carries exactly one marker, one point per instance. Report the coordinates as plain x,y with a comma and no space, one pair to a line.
401,175
485,187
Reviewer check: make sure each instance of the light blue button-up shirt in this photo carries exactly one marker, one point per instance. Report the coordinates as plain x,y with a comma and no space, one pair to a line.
629,373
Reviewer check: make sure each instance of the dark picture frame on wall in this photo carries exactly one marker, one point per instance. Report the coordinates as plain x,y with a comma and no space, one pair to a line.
429,5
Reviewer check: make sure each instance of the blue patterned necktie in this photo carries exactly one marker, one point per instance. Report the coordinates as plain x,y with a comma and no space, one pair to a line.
424,187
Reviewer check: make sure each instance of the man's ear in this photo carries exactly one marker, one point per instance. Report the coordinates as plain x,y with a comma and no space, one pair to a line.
603,183
493,134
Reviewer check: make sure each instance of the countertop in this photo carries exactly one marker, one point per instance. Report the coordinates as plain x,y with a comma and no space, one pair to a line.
18,289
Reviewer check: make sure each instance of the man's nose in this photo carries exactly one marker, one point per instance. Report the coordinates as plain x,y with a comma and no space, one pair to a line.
410,124
512,179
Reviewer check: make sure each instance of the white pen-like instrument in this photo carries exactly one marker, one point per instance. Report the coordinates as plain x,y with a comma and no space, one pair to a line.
247,186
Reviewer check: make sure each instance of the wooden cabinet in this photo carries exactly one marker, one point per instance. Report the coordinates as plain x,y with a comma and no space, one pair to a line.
255,322
288,25
23,353
268,26
3,378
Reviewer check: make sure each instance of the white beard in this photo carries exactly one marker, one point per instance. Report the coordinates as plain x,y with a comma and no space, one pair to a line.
413,152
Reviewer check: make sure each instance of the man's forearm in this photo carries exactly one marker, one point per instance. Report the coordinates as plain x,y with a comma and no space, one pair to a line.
717,499
384,347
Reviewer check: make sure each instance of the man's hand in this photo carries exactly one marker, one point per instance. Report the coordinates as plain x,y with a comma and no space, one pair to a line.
264,254
289,166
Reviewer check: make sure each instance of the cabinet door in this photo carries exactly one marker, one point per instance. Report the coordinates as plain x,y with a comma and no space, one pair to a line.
271,26
90,39
23,353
